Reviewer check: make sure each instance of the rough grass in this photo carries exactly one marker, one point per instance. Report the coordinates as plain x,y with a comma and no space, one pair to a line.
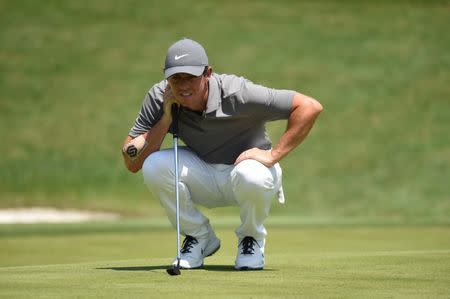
74,73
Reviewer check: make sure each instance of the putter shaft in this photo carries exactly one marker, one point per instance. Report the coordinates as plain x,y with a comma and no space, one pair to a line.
176,269
175,142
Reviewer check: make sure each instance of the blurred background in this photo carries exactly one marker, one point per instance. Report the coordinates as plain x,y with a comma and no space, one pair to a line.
73,75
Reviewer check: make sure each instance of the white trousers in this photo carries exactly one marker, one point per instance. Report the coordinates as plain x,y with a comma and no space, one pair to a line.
250,185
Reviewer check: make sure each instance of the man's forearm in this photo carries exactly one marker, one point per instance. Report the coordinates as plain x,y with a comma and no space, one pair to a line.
304,112
154,138
302,118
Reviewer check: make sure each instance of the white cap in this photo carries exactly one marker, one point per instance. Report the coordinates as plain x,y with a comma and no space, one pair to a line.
185,56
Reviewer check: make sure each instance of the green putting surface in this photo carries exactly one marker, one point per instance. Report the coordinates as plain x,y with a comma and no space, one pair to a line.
302,261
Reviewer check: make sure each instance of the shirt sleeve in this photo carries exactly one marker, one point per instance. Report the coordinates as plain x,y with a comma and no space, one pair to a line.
267,103
151,110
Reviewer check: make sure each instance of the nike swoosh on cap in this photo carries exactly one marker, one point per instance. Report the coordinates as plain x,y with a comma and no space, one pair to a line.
181,56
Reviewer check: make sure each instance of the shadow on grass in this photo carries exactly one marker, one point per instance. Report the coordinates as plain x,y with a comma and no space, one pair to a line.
219,268
136,268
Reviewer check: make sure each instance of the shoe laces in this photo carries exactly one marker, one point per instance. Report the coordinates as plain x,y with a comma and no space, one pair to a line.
188,243
248,244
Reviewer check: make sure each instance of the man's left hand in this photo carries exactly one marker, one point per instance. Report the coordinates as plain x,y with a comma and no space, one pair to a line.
263,156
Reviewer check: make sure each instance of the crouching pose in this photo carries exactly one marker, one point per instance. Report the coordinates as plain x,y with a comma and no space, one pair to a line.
228,158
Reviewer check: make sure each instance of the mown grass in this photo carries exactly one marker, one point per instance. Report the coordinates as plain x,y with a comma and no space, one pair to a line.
128,259
74,73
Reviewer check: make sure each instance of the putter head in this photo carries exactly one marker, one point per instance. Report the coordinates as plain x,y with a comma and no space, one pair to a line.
173,271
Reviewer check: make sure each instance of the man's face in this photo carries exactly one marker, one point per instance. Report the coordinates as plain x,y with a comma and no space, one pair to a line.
190,91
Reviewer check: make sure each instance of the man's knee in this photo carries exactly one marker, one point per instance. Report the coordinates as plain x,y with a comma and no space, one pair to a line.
158,167
250,176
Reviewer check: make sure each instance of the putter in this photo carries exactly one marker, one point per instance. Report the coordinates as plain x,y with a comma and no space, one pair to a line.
175,270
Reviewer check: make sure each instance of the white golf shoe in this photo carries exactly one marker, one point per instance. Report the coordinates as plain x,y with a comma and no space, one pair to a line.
250,254
194,250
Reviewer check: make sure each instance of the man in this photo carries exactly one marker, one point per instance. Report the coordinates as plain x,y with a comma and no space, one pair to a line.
228,158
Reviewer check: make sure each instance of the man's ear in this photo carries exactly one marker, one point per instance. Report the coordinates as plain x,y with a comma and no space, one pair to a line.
208,72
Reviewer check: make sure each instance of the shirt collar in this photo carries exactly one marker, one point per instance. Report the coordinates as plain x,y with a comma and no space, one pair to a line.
213,95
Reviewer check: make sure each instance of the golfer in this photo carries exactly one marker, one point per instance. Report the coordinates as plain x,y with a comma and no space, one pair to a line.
228,158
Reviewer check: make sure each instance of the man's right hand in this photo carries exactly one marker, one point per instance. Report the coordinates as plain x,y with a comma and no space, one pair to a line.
169,99
151,141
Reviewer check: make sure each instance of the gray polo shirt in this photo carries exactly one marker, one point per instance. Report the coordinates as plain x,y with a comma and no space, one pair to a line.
234,119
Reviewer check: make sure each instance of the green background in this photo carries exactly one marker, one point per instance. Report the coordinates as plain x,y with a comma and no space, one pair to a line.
368,202
74,73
